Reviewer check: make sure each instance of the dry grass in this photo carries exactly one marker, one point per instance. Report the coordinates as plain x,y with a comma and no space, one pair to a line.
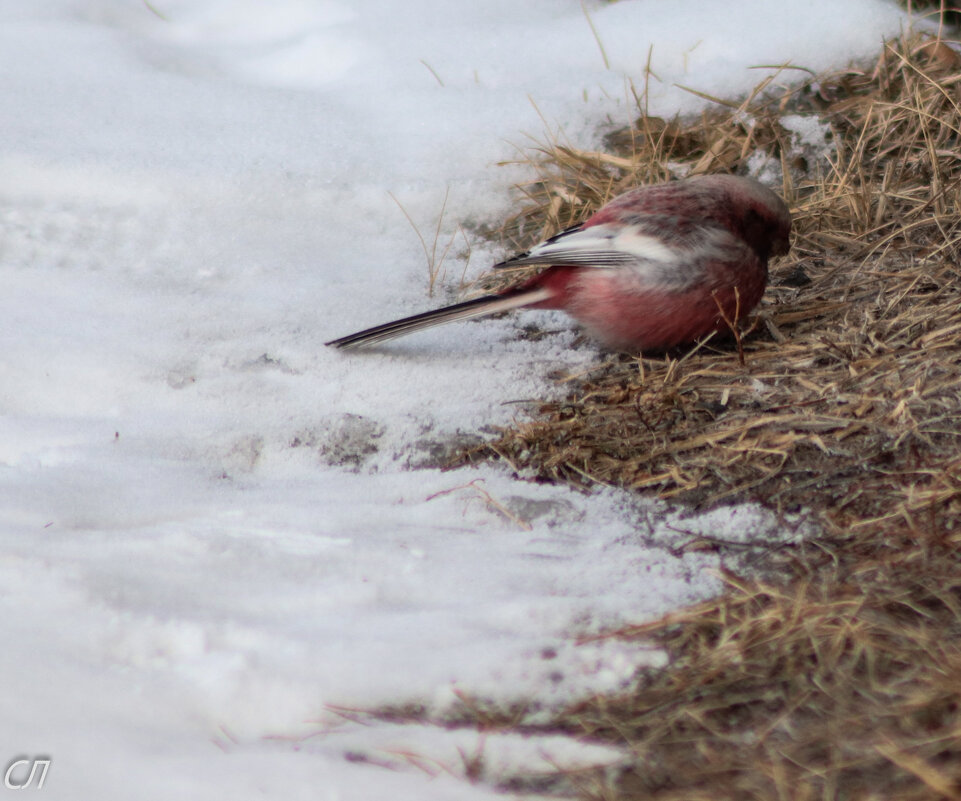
844,685
841,678
847,392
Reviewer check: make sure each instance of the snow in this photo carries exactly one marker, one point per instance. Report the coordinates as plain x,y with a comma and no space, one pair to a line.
214,531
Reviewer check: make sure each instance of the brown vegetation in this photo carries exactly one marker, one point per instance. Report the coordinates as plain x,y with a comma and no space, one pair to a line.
842,677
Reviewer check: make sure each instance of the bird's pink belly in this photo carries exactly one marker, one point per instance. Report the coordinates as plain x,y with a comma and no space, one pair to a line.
622,315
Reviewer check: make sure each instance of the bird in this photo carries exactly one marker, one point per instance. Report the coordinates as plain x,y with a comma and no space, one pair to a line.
657,267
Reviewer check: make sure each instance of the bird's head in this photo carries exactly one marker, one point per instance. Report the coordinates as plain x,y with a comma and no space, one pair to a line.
758,214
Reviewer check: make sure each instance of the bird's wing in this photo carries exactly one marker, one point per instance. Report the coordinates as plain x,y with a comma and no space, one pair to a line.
605,245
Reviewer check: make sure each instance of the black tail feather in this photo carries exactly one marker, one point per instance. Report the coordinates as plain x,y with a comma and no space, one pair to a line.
478,307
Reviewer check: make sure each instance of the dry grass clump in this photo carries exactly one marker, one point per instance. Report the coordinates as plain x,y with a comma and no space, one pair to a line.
844,392
840,686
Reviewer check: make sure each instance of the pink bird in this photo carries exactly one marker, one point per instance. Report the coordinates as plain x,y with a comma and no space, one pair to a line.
656,267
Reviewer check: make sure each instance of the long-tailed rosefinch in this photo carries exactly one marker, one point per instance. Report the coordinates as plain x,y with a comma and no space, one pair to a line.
658,266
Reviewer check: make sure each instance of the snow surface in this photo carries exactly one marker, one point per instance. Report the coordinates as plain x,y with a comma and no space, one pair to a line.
212,533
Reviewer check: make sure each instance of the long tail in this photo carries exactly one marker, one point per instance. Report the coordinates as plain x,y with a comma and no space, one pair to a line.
479,307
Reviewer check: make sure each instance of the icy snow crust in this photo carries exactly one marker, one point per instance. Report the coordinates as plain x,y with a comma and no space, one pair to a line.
210,531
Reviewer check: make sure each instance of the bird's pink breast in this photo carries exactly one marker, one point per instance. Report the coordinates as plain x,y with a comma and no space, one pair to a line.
620,311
